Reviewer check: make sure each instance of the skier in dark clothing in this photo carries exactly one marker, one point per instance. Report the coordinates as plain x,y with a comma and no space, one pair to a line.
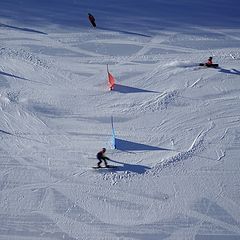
92,19
101,156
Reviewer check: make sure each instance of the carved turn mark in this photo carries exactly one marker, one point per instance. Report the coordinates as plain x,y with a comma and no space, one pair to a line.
221,155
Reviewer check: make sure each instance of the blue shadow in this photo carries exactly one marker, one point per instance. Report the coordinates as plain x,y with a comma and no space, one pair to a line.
133,17
8,133
124,32
11,134
22,29
11,75
213,210
125,145
14,76
127,89
230,71
135,168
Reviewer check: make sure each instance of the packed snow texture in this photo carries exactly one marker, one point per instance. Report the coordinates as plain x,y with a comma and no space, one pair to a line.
177,125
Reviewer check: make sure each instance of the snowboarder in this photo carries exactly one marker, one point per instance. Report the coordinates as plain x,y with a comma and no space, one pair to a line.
92,19
209,62
101,156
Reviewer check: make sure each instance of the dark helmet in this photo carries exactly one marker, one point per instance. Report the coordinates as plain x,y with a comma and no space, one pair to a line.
103,149
210,57
89,14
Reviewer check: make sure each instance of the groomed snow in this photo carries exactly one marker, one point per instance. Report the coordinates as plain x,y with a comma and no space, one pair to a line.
177,125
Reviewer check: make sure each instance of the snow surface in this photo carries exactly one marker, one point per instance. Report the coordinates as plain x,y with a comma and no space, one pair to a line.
176,124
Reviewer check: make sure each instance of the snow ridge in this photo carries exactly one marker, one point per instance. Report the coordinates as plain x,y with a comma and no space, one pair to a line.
196,147
160,102
23,55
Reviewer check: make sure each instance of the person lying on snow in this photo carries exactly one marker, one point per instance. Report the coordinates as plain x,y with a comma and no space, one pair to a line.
101,156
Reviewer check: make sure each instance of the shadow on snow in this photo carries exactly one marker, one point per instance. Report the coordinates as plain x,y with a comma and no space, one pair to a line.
131,16
230,71
124,32
14,135
14,76
125,145
11,75
5,132
22,29
127,89
135,168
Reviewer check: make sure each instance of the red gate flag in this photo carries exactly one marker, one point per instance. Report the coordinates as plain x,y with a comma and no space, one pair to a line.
111,80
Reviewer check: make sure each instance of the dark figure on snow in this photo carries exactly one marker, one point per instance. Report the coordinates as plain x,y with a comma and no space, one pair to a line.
92,19
209,62
101,156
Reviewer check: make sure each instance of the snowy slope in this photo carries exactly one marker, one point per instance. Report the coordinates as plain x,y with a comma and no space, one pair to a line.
177,124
